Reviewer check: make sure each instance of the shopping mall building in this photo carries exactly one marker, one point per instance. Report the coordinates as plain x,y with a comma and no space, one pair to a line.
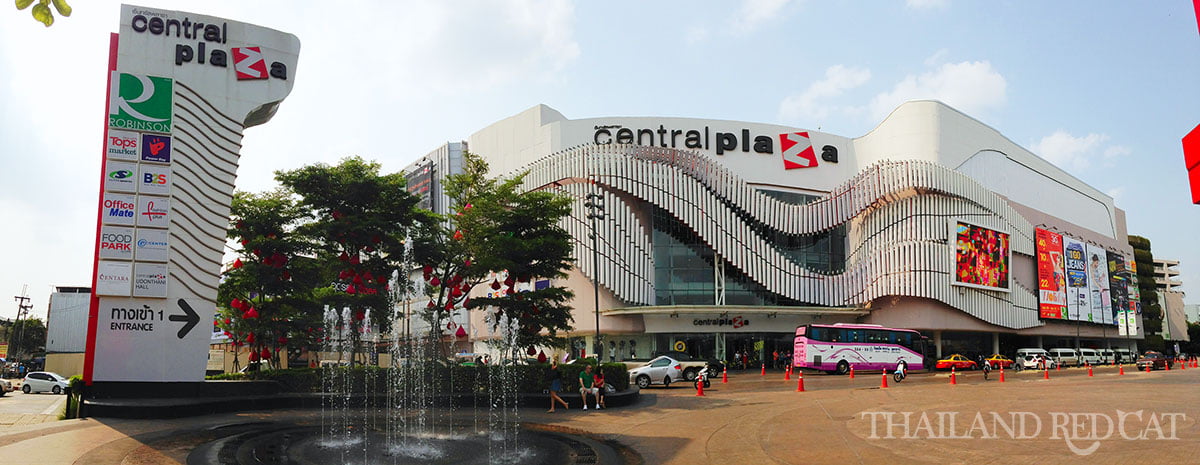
723,236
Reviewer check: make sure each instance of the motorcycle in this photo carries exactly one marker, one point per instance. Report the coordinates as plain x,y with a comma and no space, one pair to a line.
702,377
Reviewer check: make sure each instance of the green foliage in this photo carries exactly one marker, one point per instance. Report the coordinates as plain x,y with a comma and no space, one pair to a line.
271,275
41,11
26,338
498,235
359,221
1151,312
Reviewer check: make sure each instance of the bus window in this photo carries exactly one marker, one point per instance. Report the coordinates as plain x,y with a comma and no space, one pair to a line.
818,334
854,335
878,337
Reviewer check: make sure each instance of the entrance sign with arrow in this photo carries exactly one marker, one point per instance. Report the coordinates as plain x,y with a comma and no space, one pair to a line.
189,316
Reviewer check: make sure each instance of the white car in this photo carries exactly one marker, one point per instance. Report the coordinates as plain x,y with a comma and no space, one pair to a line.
44,381
1034,363
662,370
5,387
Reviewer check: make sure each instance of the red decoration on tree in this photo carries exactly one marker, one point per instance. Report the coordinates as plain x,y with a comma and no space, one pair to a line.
250,338
509,281
435,282
496,285
286,276
337,215
541,356
350,289
235,303
449,305
367,275
253,356
344,256
245,242
357,280
359,315
279,260
461,333
427,269
252,313
354,259
282,340
240,224
237,263
266,354
456,292
467,263
531,351
458,235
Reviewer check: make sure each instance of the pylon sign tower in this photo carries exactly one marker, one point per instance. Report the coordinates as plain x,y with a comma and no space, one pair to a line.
182,88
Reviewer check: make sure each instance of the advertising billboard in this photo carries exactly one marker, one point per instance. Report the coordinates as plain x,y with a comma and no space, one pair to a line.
1052,281
1079,303
1101,298
981,257
1118,278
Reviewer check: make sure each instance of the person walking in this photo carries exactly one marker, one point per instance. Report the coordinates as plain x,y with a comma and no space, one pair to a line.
555,378
587,386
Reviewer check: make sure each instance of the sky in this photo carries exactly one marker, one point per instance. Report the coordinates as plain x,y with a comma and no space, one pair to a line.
1105,90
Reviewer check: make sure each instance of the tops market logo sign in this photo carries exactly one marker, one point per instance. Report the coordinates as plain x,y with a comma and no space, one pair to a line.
796,146
248,62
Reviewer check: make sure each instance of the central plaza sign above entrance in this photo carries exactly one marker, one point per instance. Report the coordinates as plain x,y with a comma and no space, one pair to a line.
249,62
796,147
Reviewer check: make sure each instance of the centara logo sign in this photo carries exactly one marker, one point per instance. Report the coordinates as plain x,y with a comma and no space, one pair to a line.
796,147
248,62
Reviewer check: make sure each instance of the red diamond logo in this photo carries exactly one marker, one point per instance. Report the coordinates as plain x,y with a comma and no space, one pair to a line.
797,151
249,63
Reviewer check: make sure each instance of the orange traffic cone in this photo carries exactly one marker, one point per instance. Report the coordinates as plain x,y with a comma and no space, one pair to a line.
953,379
1089,369
787,374
1122,369
725,376
1168,366
884,384
1046,374
699,388
800,383
1147,368
1183,366
1057,367
851,371
1001,373
764,370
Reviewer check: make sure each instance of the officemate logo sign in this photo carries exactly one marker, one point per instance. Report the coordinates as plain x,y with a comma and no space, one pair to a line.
140,103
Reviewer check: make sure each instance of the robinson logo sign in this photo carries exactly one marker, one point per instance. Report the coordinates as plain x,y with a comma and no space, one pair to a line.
140,102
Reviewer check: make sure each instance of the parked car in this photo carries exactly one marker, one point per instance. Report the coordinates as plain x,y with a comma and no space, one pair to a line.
1123,355
661,370
1155,360
956,361
1036,361
5,387
691,366
44,381
998,361
1066,357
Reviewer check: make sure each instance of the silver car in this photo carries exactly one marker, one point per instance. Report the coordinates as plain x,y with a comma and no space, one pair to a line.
663,370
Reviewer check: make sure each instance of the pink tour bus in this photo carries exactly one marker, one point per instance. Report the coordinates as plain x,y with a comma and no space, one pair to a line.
835,348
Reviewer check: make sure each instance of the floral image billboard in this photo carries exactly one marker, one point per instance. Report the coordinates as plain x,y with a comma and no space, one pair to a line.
981,257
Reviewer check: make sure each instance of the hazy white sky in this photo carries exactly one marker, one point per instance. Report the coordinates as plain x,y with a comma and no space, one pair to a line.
1104,90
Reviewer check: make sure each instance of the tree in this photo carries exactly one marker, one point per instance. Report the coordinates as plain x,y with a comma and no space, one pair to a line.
267,294
26,338
41,11
359,222
498,235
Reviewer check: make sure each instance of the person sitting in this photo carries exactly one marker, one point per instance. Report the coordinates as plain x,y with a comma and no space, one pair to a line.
587,386
598,386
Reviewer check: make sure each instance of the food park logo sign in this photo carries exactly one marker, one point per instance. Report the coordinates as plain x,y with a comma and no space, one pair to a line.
182,89
796,147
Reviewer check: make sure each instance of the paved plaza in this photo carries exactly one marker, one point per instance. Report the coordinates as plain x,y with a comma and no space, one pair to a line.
1071,418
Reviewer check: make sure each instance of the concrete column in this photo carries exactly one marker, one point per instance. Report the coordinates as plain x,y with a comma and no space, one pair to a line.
995,343
937,342
1040,344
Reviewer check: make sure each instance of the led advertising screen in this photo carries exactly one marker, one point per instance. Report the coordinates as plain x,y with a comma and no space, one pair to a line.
981,257
1079,305
1097,266
1052,280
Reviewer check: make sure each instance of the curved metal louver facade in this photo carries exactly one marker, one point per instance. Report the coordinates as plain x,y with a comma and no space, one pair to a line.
900,216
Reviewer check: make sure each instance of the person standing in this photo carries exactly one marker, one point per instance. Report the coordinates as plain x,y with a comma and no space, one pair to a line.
555,378
587,386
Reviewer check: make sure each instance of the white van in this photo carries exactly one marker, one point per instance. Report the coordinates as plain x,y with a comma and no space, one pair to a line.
1065,357
1029,358
1123,355
1090,357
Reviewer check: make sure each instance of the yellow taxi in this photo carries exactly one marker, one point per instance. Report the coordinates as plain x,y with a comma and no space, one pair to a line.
957,361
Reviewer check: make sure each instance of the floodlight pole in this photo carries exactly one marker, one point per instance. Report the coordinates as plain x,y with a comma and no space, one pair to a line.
595,206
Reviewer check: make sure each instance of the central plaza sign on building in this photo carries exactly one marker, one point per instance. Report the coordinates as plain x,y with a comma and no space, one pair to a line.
170,159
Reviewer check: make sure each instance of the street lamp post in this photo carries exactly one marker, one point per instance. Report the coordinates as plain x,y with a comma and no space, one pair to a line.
595,206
